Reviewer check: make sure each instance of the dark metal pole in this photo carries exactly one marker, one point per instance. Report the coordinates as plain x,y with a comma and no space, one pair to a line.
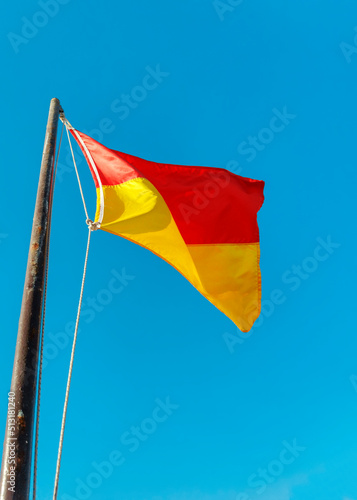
17,453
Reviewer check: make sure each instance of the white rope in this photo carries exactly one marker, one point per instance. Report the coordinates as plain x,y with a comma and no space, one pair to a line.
43,328
55,491
75,167
95,170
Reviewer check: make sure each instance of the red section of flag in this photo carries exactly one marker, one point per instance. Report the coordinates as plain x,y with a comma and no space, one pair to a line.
200,199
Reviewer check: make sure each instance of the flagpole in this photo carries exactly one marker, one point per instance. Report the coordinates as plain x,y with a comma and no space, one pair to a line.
15,475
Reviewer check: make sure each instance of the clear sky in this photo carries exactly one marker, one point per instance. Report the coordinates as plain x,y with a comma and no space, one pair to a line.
168,400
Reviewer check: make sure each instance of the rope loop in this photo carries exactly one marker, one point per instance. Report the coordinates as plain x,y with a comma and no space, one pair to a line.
93,226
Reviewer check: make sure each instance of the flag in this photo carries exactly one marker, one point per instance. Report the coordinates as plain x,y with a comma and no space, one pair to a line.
201,220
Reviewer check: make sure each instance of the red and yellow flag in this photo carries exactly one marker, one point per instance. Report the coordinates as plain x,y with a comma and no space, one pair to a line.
201,220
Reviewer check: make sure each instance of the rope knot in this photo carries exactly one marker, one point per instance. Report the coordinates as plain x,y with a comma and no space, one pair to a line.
93,226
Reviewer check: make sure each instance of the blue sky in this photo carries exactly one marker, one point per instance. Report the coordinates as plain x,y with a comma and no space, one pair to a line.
269,415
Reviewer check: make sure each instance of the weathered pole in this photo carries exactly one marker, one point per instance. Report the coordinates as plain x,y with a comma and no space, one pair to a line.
17,452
